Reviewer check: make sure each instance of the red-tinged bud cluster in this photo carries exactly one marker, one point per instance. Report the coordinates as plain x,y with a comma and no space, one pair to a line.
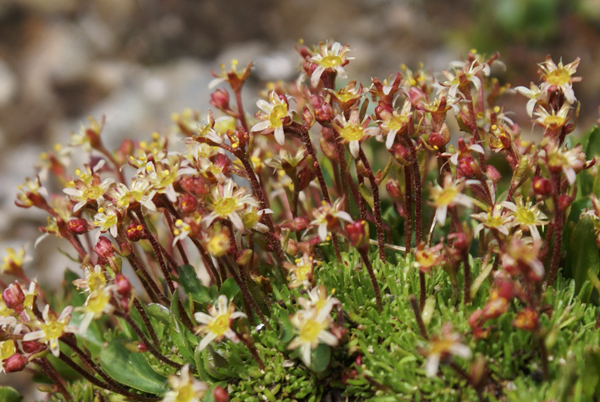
297,224
323,111
493,174
194,185
77,226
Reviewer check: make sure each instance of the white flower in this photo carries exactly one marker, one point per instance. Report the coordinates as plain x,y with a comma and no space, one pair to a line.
333,58
185,388
52,328
217,324
274,116
227,201
312,328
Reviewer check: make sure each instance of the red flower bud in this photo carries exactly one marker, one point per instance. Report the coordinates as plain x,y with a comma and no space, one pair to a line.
13,296
123,284
299,223
135,232
220,99
401,154
436,140
358,234
493,173
328,149
460,241
467,166
142,347
541,186
188,203
32,346
394,190
77,226
323,110
564,201
16,362
194,185
220,394
104,248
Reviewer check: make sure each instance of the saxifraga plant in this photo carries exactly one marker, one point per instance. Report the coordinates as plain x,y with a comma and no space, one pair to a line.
239,232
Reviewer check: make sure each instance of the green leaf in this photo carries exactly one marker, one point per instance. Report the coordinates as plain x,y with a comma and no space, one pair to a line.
192,285
592,149
131,369
178,331
9,394
591,374
287,329
229,288
319,358
584,252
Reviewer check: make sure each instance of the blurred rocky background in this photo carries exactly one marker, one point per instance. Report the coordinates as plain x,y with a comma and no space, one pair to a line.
137,61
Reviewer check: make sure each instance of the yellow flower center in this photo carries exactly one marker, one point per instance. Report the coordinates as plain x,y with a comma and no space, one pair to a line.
311,329
352,132
250,219
185,393
440,346
397,122
320,304
302,272
220,325
554,120
558,77
7,349
218,245
95,280
525,216
446,196
331,61
225,206
277,114
96,303
54,329
493,221
426,259
91,193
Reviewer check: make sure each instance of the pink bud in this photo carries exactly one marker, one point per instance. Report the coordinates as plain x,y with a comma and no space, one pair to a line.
123,284
32,346
188,203
194,185
220,99
16,362
394,190
135,231
104,247
220,394
564,201
299,223
77,226
13,296
358,234
493,173
401,154
541,186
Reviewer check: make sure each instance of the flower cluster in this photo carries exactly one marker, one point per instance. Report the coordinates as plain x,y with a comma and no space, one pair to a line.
248,208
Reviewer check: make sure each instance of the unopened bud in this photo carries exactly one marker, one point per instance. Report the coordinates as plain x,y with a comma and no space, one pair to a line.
358,234
493,173
564,201
123,285
220,99
478,371
194,185
104,248
13,296
323,110
188,203
460,241
296,224
401,154
541,186
135,232
467,166
77,226
32,346
328,149
220,394
394,190
15,363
